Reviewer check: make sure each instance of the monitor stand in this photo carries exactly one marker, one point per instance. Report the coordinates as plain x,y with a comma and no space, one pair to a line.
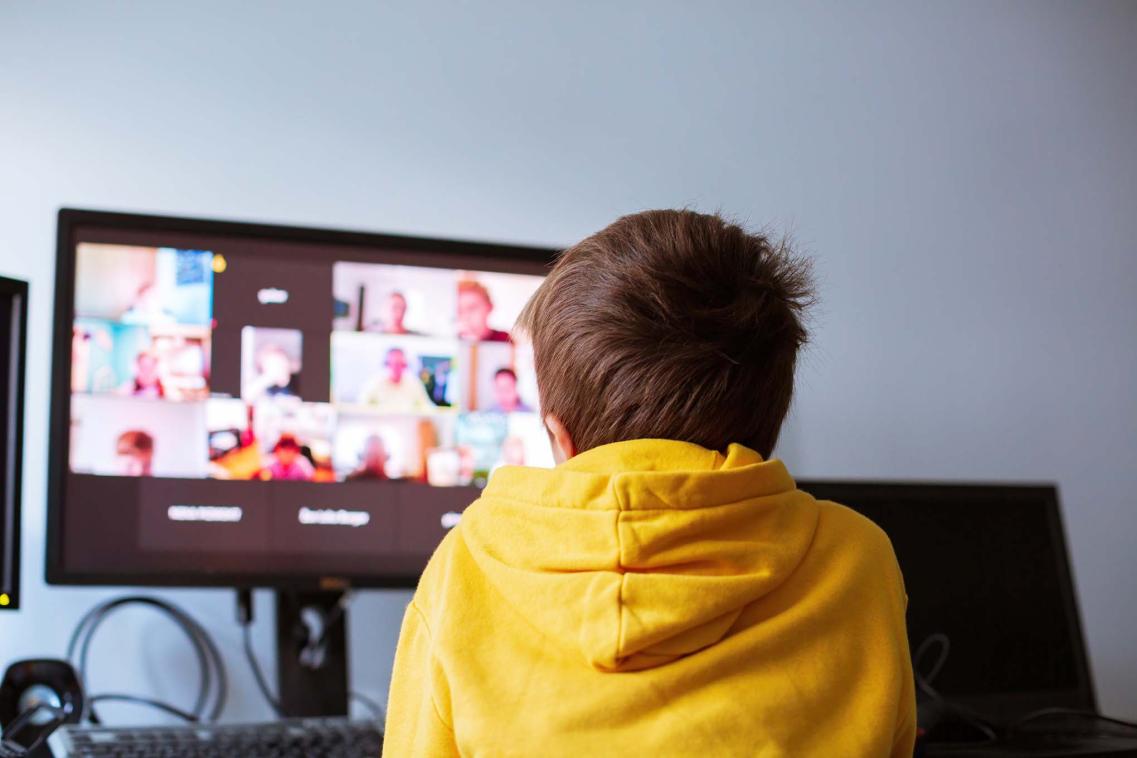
311,651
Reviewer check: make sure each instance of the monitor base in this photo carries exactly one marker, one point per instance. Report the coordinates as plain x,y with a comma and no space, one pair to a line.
311,649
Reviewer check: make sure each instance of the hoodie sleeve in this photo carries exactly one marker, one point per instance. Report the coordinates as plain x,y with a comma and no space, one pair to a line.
904,739
415,725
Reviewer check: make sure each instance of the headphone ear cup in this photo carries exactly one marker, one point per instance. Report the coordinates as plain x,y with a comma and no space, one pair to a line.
37,681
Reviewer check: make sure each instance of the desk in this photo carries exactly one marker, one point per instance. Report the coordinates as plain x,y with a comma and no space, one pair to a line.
1103,747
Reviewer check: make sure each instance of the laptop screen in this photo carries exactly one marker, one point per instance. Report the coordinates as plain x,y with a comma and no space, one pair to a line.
986,568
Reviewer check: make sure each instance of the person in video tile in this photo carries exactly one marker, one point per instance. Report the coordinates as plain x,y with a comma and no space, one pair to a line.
506,397
147,381
274,374
289,462
396,390
373,463
513,451
474,309
147,308
135,452
393,314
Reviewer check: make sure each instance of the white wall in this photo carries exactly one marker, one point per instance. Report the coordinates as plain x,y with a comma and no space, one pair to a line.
965,173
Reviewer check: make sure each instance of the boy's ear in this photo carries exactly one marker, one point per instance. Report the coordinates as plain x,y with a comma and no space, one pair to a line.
563,447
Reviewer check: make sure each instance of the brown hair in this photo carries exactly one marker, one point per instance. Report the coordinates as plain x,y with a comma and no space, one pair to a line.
134,441
674,325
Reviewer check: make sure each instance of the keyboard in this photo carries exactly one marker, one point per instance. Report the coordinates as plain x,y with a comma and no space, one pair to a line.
302,738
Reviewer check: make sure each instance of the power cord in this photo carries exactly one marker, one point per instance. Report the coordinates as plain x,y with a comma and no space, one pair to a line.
136,700
313,653
310,655
924,682
1018,729
258,674
369,704
245,619
214,680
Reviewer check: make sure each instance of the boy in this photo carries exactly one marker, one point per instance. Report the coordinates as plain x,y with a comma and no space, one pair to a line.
666,589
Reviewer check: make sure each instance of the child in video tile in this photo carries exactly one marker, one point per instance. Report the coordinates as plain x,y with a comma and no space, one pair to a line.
289,463
506,397
474,309
147,381
374,461
396,390
275,378
135,451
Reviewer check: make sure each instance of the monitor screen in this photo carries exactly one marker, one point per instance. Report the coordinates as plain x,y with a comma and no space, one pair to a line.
262,405
985,568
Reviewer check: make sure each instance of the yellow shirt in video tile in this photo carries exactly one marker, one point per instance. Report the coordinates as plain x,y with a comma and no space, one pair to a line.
655,598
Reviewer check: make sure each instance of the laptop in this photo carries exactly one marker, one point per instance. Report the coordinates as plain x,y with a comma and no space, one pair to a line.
991,600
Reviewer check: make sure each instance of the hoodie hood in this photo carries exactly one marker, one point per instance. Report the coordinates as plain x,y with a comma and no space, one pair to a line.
637,553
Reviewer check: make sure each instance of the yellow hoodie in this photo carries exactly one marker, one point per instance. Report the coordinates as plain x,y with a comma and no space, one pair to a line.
655,598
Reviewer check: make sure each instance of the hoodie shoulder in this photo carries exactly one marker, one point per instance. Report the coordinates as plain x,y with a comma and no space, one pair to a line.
440,576
851,523
858,544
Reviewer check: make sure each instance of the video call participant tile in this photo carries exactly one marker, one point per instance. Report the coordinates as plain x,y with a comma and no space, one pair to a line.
269,294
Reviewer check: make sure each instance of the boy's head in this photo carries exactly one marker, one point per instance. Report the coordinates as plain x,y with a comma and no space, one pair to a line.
673,325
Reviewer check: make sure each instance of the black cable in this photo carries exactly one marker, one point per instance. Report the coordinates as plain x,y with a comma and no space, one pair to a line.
371,705
924,682
945,649
101,614
258,675
334,615
136,700
212,665
1017,727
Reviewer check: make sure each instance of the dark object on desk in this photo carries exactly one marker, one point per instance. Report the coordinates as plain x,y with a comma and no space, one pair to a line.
30,684
988,577
303,738
13,341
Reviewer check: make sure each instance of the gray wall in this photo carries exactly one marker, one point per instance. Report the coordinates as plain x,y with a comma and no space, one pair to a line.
965,174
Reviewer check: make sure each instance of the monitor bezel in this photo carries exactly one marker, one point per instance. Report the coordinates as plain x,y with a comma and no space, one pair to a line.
133,228
13,465
1003,706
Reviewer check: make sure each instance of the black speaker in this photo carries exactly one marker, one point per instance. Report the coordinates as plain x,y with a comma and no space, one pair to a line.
40,681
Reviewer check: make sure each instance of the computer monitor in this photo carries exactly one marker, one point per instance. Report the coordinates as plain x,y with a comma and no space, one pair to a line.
985,566
13,341
252,405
